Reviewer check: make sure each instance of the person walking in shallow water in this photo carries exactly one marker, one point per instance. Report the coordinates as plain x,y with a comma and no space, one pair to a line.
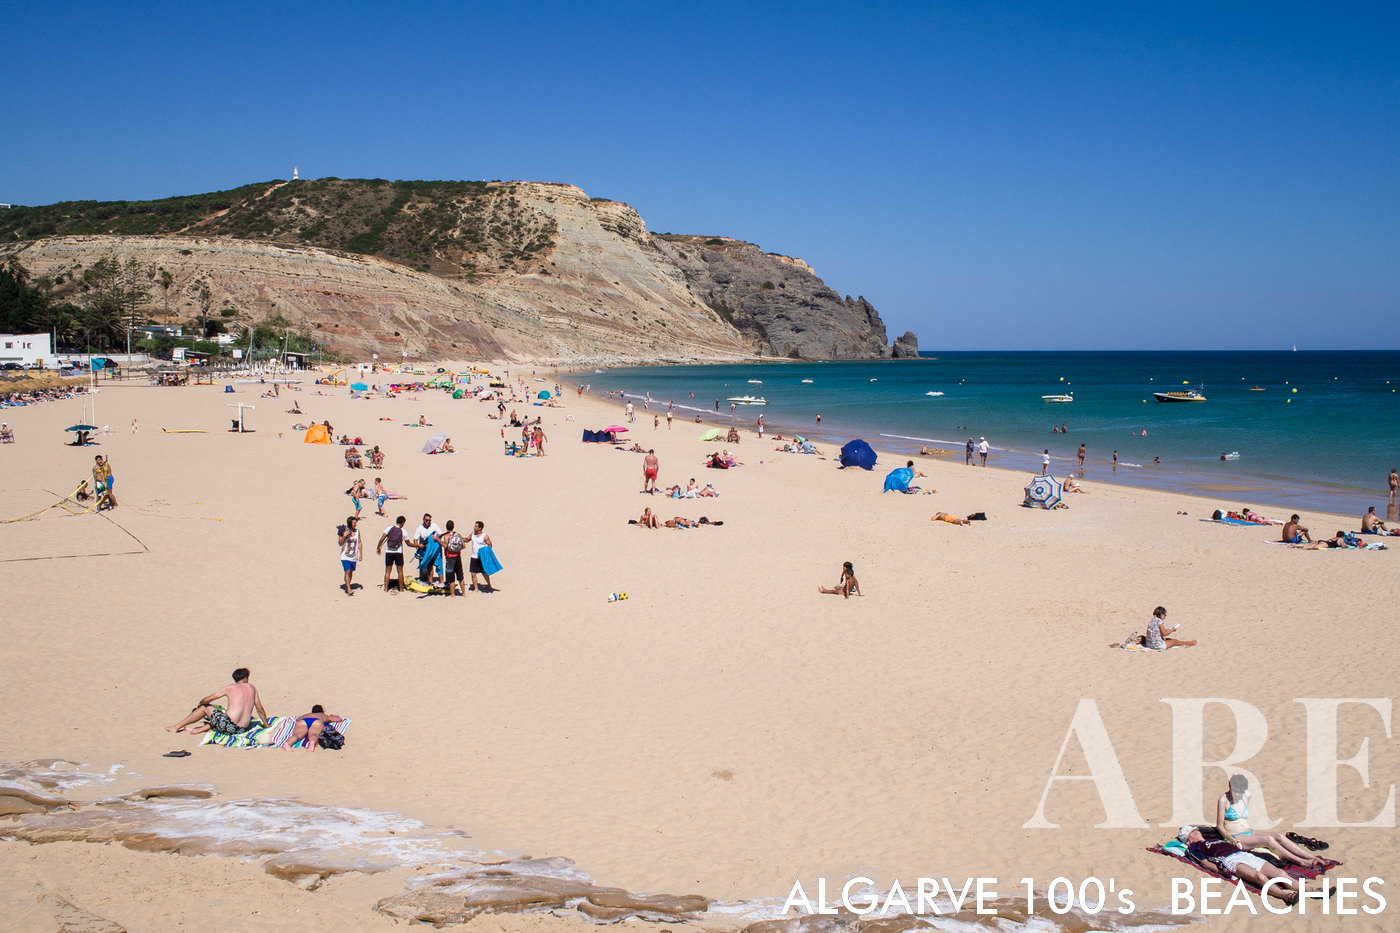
1082,450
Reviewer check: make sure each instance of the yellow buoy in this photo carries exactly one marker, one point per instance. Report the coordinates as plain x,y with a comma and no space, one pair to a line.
1295,391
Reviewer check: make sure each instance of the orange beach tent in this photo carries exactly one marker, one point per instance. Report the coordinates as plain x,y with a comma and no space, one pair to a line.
317,434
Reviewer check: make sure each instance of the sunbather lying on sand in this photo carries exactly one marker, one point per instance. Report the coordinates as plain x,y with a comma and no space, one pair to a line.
1232,860
950,519
310,726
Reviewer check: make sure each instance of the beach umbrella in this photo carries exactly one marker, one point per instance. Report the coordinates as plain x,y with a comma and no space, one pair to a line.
899,480
858,453
359,387
614,429
1044,492
434,442
82,427
712,434
544,394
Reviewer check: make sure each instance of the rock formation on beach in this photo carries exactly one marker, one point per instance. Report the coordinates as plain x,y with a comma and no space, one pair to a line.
452,270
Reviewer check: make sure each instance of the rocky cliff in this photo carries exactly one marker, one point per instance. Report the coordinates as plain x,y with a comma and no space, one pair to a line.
509,270
776,301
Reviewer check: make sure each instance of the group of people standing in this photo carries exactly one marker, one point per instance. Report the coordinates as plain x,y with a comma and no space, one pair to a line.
439,552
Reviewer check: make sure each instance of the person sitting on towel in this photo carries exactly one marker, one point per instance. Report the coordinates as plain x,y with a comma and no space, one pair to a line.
242,699
1371,523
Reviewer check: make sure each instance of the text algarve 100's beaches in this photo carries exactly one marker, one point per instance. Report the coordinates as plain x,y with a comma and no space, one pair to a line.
725,731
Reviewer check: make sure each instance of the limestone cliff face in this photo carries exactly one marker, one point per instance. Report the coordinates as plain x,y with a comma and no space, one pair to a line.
776,301
500,270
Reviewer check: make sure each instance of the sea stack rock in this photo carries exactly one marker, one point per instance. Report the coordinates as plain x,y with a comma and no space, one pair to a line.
905,347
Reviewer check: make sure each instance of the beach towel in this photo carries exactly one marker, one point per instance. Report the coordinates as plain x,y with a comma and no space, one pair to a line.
431,555
273,732
1297,871
337,727
489,564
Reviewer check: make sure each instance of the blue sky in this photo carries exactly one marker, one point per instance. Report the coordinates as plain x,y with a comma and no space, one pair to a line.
990,175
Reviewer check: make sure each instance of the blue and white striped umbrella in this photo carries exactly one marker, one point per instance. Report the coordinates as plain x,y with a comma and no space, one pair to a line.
1044,492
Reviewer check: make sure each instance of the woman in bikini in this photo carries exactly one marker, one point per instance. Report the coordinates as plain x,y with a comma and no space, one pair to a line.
849,585
310,726
1232,822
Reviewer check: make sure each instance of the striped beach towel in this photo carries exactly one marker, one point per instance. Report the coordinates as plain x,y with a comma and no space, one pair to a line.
272,732
330,727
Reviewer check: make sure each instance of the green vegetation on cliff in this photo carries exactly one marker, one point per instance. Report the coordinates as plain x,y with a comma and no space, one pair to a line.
442,227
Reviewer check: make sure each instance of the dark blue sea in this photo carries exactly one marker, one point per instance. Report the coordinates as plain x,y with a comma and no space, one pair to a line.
1322,433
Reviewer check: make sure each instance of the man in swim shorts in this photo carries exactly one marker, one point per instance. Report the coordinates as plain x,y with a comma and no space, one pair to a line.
1371,522
1294,533
391,546
235,718
650,467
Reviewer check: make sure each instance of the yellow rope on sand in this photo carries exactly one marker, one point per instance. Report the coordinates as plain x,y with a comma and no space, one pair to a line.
66,503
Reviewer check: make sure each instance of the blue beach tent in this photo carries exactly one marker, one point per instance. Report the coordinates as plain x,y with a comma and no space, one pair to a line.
859,454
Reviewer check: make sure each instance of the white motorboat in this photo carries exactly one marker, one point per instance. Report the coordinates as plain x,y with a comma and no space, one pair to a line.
1057,399
1190,395
806,382
755,382
747,400
934,394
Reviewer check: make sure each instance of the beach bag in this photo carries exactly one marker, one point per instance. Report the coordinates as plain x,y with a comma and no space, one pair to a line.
331,739
977,517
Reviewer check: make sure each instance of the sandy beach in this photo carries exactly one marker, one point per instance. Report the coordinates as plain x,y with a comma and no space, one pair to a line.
722,732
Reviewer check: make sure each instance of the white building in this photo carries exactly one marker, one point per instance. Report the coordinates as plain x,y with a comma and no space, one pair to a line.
26,349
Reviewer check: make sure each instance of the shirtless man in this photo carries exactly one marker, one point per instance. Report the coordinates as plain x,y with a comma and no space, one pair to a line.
242,698
1371,522
650,467
1294,533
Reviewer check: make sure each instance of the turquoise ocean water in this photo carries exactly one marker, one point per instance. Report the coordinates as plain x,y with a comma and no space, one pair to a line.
1322,435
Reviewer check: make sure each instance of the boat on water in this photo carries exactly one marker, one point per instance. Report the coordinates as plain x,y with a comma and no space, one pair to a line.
747,400
806,382
1232,455
1258,389
1057,399
934,394
1190,395
755,382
